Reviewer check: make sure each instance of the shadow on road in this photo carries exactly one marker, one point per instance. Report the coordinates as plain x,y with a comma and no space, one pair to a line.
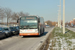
25,36
44,34
67,31
7,37
35,36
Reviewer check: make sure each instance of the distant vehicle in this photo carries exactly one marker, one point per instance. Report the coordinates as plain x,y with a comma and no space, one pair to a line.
2,35
14,30
47,26
31,25
7,31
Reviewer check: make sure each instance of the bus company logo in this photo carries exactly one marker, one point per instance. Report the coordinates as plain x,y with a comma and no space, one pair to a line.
29,30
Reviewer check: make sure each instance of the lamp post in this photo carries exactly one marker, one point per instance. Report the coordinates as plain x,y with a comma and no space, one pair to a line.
58,19
63,16
60,13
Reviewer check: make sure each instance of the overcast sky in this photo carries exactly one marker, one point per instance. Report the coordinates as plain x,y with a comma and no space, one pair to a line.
44,8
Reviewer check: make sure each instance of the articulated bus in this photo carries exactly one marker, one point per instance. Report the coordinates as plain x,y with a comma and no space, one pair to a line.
31,25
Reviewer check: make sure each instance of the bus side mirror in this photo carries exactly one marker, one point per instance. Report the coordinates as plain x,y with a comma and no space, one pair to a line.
18,21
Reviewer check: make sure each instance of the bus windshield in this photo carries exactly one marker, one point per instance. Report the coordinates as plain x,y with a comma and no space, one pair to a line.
28,24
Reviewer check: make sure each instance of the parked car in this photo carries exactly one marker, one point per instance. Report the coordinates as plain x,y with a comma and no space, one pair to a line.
17,27
2,35
7,31
14,30
47,26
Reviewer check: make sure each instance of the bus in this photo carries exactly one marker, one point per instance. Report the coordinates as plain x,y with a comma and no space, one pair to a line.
31,25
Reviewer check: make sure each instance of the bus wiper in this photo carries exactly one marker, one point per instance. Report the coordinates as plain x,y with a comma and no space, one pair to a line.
32,28
24,27
33,25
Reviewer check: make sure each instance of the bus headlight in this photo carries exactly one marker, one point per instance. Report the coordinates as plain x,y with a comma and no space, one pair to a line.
20,31
36,30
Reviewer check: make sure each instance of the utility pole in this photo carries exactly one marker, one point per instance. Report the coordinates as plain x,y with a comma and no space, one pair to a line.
58,18
63,16
60,14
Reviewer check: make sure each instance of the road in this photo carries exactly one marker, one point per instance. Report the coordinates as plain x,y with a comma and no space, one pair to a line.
18,43
71,28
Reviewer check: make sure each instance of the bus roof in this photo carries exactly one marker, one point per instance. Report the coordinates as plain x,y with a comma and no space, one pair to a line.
31,16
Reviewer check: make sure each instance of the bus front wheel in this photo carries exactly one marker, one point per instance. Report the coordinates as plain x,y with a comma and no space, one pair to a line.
21,36
43,30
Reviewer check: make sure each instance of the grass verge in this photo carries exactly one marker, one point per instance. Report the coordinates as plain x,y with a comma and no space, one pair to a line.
57,38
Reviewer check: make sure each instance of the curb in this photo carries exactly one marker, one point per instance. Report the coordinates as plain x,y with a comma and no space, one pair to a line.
44,40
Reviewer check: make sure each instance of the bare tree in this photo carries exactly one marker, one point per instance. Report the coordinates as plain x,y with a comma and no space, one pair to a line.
8,14
2,15
26,14
66,23
15,16
23,14
49,22
69,24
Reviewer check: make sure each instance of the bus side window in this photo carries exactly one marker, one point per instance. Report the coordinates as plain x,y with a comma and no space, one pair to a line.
18,20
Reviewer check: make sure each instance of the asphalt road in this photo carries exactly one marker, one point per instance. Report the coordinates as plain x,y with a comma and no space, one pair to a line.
26,43
71,28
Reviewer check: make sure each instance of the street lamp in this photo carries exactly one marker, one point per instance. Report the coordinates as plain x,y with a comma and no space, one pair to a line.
63,16
60,13
58,19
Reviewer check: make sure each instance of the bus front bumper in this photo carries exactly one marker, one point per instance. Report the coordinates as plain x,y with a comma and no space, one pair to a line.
28,34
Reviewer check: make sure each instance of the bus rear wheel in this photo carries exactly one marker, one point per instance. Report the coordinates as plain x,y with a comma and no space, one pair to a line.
39,33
